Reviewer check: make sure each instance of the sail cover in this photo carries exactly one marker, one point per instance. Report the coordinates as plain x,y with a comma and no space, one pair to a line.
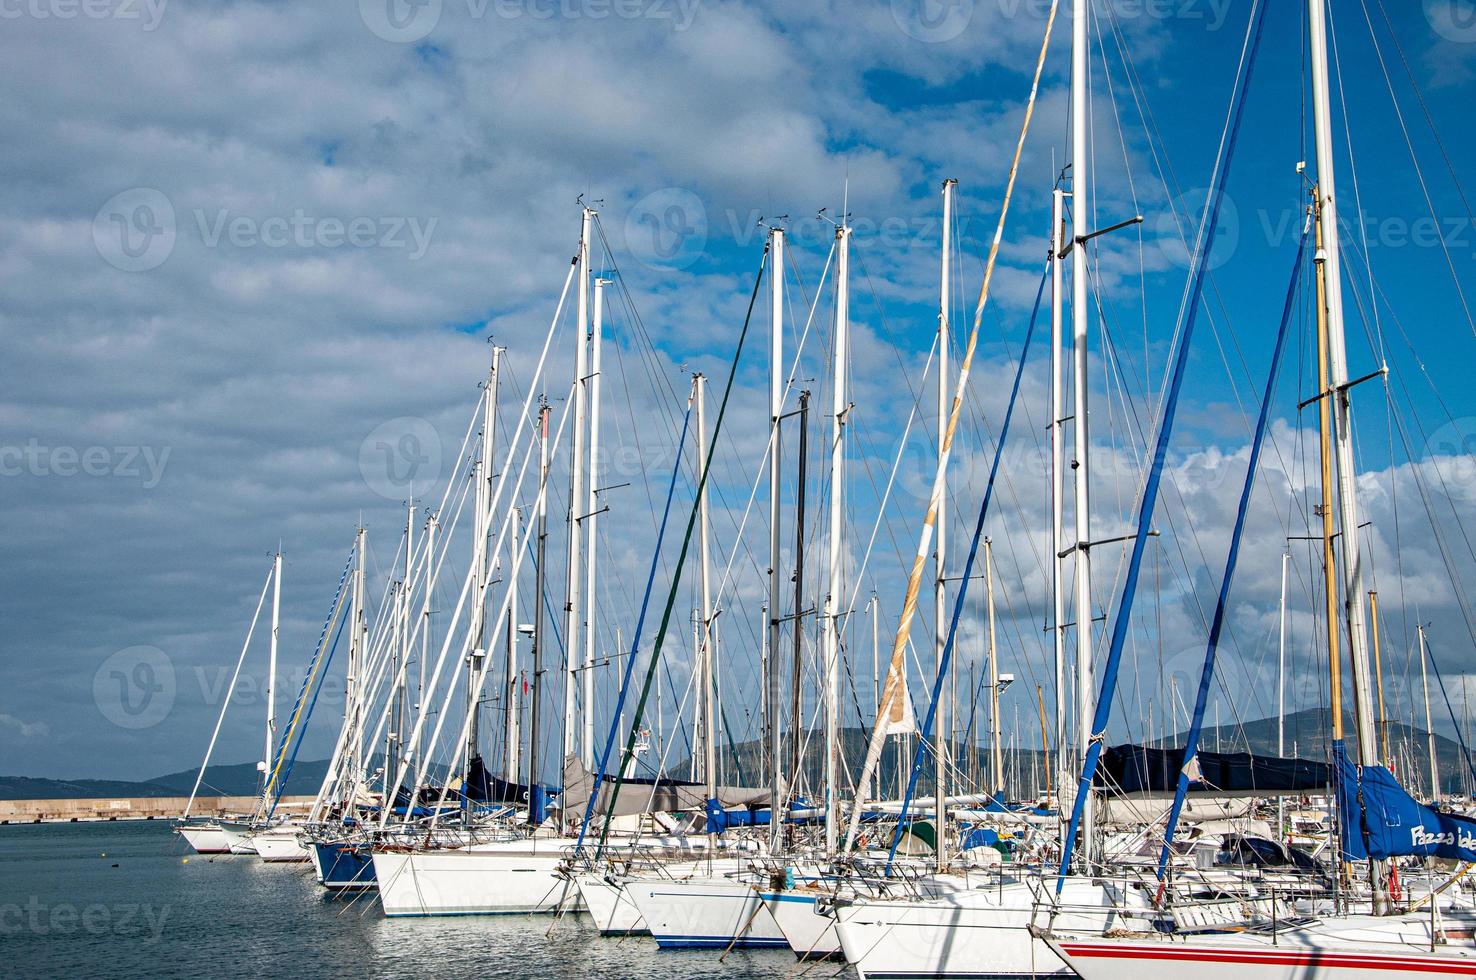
659,795
1144,771
1384,821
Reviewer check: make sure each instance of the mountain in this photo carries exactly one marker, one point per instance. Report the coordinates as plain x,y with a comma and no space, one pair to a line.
27,788
244,780
239,780
1307,737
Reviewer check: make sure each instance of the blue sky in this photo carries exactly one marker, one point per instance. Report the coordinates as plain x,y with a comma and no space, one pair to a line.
239,239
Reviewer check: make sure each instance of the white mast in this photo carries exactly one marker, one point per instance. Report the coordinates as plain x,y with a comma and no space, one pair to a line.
353,692
996,754
1058,476
573,604
591,517
271,688
425,604
395,737
1080,322
940,588
1330,257
481,565
707,729
510,685
835,592
876,679
776,409
1281,696
1429,722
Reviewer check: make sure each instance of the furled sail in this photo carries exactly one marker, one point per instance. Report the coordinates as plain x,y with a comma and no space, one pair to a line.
1137,770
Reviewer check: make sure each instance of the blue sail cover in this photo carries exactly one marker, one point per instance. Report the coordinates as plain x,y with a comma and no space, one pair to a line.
1382,821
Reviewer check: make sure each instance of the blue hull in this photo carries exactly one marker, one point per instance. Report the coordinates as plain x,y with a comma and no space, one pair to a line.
343,865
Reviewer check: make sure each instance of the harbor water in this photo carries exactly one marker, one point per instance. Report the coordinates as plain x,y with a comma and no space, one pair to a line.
128,899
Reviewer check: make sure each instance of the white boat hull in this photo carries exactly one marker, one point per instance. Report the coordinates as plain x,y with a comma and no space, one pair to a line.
1151,959
280,845
705,913
611,908
206,839
982,932
472,882
238,838
797,914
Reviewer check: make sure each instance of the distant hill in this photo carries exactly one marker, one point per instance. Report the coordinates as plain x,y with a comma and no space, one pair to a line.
26,788
237,780
1308,736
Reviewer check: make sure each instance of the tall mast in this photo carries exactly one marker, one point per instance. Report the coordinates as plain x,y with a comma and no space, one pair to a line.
839,408
875,788
400,668
425,603
1330,259
480,559
1058,434
996,756
707,692
510,678
591,517
535,794
1383,724
940,552
1325,508
1081,205
1429,722
271,688
1281,695
776,409
573,603
353,686
796,678
1330,256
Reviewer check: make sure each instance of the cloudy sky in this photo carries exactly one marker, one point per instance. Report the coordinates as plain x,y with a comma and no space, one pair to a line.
248,247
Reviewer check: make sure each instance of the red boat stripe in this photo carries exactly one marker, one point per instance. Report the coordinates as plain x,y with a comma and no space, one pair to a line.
1302,957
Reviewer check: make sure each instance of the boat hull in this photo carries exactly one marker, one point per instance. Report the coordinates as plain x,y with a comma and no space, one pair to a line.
342,866
611,908
1161,960
280,846
467,882
206,839
705,913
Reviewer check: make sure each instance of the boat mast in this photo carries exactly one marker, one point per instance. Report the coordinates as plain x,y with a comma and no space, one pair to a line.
353,692
1080,322
400,664
1383,724
510,679
706,697
481,565
1330,260
573,615
940,551
535,794
591,517
271,688
875,787
796,679
1429,722
1058,477
1281,695
834,595
431,524
776,409
996,756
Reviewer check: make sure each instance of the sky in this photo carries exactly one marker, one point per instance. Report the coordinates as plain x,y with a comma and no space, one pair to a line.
250,248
